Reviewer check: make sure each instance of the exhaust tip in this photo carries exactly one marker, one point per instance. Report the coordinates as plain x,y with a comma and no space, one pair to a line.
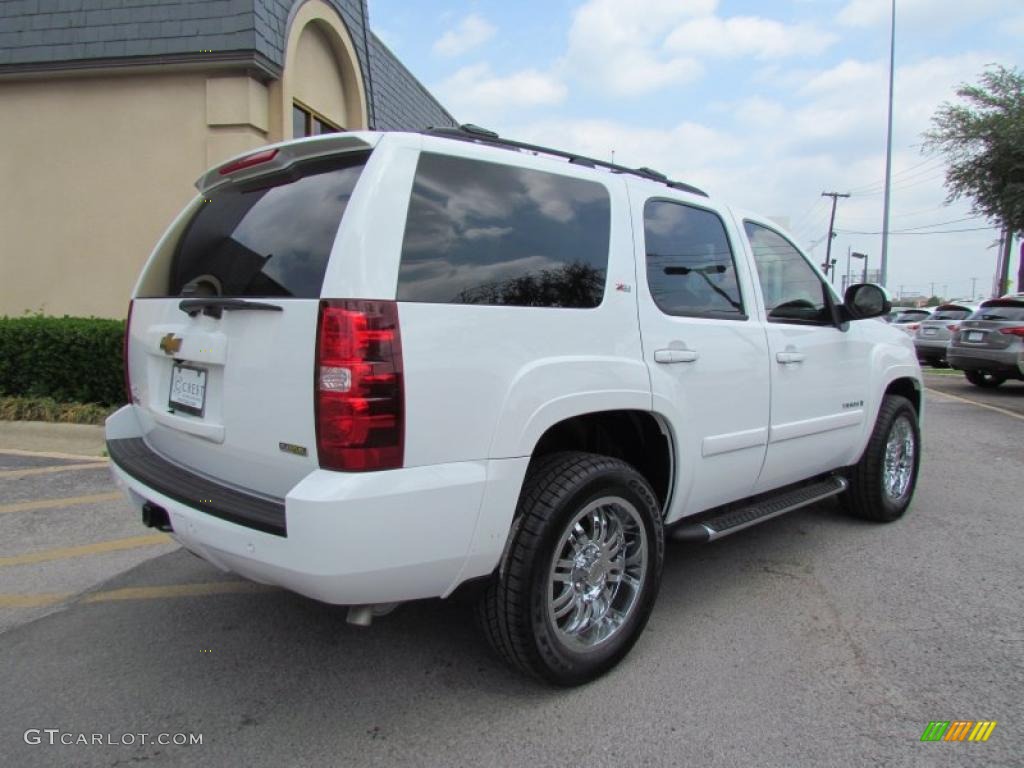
154,516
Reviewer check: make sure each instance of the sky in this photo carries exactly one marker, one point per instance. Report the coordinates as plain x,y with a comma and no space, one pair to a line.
763,104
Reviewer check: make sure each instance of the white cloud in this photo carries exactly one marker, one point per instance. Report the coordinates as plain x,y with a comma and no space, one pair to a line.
475,93
867,13
747,36
472,32
617,46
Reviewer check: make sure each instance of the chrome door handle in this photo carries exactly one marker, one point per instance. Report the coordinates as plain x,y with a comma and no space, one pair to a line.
789,358
674,356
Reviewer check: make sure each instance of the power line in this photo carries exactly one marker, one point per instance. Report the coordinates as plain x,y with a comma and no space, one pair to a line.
905,232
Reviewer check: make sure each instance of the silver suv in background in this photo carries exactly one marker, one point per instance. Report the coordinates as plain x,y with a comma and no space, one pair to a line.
989,345
934,332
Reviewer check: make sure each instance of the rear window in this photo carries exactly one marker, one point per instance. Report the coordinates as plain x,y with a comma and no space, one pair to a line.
268,237
910,317
1003,310
950,314
484,233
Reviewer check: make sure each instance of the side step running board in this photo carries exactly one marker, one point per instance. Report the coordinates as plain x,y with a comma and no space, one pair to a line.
733,518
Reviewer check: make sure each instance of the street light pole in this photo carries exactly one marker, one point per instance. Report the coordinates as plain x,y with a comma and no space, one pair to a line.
863,256
884,267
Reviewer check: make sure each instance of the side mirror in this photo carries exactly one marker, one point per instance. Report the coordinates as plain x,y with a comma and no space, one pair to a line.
865,300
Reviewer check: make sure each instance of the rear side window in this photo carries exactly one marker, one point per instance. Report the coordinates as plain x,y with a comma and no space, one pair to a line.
484,233
690,268
270,236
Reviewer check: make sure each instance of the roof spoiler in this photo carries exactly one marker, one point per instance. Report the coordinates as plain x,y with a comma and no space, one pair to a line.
276,157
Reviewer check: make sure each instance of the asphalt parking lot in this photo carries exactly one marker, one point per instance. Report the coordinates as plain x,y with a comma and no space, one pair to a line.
811,640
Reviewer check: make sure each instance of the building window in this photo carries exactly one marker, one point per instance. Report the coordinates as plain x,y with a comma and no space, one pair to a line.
309,122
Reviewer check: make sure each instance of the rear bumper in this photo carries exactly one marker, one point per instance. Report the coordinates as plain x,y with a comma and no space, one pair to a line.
1008,362
930,350
349,538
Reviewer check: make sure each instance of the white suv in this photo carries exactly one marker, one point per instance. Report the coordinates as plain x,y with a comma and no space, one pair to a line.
373,368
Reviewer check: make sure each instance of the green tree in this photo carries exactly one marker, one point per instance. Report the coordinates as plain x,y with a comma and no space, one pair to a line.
983,141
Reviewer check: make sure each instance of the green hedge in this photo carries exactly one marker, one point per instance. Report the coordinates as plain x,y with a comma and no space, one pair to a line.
69,359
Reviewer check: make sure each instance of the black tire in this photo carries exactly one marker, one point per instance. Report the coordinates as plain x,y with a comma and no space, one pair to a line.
868,497
984,379
517,614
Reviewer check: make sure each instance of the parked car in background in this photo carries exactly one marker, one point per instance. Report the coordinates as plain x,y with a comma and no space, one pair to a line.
989,345
933,333
908,320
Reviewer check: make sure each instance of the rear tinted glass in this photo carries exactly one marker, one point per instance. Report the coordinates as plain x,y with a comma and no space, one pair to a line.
949,314
690,267
271,236
1008,311
911,317
484,233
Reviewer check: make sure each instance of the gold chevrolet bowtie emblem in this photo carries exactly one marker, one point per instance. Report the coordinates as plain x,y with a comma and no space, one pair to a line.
170,344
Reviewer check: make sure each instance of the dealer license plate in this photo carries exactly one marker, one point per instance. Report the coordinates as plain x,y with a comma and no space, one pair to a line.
188,389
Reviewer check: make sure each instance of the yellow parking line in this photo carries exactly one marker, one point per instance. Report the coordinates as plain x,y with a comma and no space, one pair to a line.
10,474
49,454
32,601
995,408
71,501
101,547
176,590
137,593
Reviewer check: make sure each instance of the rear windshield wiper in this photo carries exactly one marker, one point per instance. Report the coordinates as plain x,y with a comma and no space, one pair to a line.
215,307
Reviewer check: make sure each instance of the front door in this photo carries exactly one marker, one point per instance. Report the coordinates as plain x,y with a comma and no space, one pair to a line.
705,349
819,372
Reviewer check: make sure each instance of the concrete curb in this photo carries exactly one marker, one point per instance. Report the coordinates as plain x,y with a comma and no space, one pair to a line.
46,437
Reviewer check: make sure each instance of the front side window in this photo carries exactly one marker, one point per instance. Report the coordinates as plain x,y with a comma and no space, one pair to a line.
484,233
792,290
690,267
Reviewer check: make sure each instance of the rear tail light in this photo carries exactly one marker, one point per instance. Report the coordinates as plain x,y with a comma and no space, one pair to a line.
954,327
124,354
360,394
1013,331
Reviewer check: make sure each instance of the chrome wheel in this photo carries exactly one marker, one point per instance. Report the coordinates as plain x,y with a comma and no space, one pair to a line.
597,573
899,459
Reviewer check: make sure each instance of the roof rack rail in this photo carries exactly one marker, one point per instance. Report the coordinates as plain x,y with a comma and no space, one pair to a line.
474,133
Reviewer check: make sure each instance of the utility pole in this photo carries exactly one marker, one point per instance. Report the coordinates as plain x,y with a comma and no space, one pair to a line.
884,267
974,287
1005,252
931,291
831,227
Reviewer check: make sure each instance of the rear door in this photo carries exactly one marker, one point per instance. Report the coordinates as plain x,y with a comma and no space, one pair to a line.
222,334
819,372
704,347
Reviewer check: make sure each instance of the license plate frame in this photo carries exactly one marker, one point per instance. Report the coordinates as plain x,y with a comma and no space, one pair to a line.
188,402
929,331
974,336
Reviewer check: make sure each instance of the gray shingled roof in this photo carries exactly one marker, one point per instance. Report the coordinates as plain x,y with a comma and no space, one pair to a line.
62,34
